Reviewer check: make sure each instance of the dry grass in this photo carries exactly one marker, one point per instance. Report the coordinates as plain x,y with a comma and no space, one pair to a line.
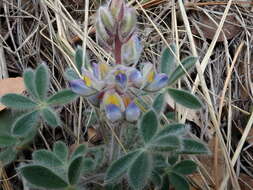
34,31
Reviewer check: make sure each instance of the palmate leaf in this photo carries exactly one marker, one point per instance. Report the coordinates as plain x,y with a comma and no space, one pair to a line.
159,103
29,80
148,125
75,170
41,176
140,170
185,167
70,74
185,98
42,81
79,151
7,140
179,182
191,146
62,97
51,117
177,129
120,166
168,60
165,143
7,155
88,165
61,150
25,123
80,59
19,102
46,158
187,63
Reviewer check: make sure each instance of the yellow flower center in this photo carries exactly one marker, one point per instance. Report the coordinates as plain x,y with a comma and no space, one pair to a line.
87,81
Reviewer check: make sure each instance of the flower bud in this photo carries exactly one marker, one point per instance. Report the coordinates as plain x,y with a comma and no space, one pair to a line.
127,25
102,34
107,20
131,51
117,9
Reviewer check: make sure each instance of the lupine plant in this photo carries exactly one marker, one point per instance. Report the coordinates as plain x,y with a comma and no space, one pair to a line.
119,90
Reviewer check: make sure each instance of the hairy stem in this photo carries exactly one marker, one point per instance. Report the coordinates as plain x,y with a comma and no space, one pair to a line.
117,49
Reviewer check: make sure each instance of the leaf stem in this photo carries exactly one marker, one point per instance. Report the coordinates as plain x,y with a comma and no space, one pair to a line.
117,49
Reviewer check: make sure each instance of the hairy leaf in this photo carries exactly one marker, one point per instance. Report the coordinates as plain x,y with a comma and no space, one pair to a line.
61,150
79,151
168,60
29,80
179,182
62,97
185,98
119,167
7,140
75,170
25,123
7,155
42,81
165,143
185,167
51,117
46,158
16,101
140,171
172,129
159,102
191,146
148,125
187,63
70,74
42,177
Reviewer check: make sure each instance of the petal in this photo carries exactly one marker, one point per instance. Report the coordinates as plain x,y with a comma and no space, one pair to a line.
160,81
103,70
135,77
112,97
78,86
113,112
133,112
148,73
121,79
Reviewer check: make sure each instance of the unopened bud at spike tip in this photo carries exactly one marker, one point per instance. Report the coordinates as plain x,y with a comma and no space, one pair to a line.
107,20
117,9
128,24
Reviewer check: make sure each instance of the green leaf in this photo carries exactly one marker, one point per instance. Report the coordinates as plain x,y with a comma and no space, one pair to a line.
79,151
156,178
98,154
16,101
187,63
42,81
185,98
177,129
140,171
165,143
119,167
61,150
25,123
80,59
42,177
75,170
88,165
185,167
179,182
191,146
7,140
148,125
70,74
51,117
159,102
7,155
29,78
63,97
46,158
168,60
173,158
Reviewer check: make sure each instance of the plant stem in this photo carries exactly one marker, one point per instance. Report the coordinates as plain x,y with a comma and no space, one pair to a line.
117,49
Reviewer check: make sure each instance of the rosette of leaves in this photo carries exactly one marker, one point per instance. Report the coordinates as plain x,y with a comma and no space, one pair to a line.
38,104
58,169
155,160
